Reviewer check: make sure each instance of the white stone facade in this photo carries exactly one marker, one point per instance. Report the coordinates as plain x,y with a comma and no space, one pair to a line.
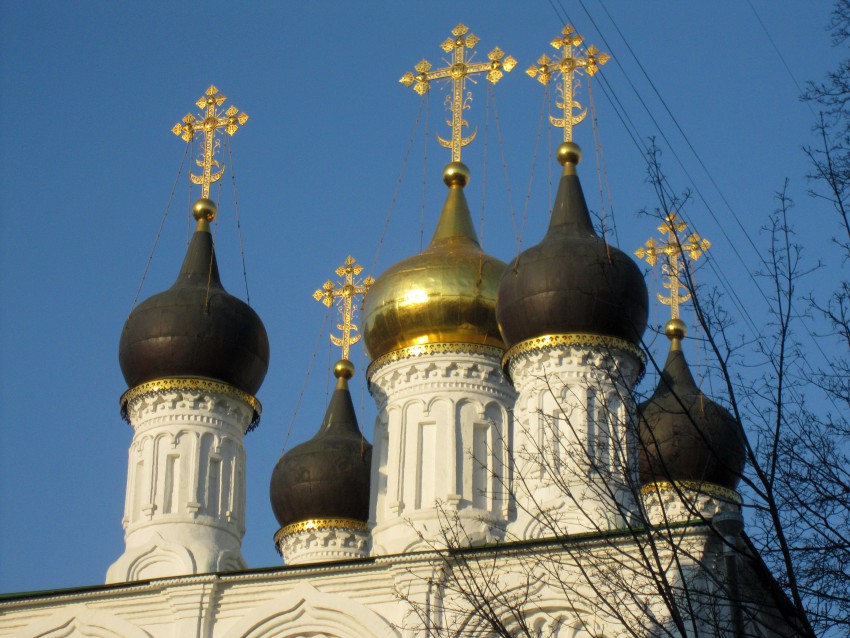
184,510
597,583
573,589
441,455
575,439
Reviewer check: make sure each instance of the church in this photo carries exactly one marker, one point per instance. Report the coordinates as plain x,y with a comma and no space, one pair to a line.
513,485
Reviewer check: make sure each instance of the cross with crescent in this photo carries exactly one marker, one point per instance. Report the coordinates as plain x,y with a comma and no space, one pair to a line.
692,246
458,70
211,121
568,65
329,293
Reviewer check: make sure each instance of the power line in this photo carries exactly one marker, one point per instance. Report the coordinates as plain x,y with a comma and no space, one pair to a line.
728,288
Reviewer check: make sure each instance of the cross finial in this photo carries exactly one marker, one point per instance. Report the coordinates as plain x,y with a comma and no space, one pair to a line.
348,288
459,68
693,246
569,64
208,123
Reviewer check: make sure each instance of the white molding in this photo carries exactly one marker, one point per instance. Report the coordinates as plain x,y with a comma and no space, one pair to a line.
679,504
80,620
305,611
323,545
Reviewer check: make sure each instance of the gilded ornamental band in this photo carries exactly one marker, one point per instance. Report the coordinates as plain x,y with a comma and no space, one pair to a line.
320,524
709,489
204,385
411,352
578,339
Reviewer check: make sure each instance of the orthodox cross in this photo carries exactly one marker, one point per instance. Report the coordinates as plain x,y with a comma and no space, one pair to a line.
212,120
692,246
569,64
458,70
329,293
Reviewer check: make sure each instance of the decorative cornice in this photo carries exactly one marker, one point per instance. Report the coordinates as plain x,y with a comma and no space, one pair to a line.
152,388
408,378
546,342
412,352
348,524
709,489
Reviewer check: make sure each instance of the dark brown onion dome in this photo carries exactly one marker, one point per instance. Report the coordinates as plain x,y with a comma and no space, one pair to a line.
444,295
572,282
326,477
684,435
195,329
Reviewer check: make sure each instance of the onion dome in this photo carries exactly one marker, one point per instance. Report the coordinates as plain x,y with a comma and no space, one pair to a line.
195,329
445,294
327,477
572,282
684,435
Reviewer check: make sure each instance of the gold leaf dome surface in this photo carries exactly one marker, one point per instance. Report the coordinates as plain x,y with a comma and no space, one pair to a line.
445,294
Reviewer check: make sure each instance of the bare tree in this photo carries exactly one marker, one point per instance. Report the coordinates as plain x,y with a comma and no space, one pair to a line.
811,448
652,574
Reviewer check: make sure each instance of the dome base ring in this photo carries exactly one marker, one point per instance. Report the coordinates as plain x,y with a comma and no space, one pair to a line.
209,385
576,339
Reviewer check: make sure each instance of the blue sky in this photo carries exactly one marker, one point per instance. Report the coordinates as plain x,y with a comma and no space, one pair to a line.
90,90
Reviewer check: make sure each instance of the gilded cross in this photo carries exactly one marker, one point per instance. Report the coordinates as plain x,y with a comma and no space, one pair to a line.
348,288
692,246
210,121
459,68
567,66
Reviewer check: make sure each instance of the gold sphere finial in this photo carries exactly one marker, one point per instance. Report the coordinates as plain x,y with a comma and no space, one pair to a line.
456,173
569,153
675,329
343,369
204,209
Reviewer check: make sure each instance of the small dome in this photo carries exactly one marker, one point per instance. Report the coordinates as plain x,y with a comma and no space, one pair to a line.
195,329
684,435
326,477
572,282
445,294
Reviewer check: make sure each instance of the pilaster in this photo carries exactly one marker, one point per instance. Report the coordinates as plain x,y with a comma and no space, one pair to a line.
185,503
575,438
441,457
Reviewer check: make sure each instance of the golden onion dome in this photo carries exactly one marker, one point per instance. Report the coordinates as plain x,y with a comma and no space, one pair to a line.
445,294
